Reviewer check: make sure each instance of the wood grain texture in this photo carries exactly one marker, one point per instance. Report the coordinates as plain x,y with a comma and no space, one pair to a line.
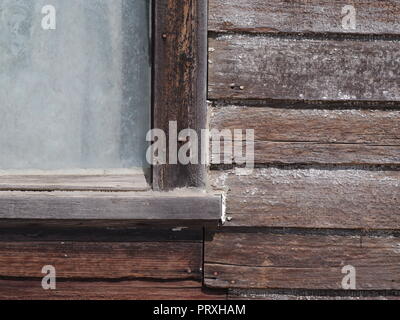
80,233
180,81
238,294
316,153
314,136
262,67
296,261
92,206
102,260
373,17
104,264
103,290
312,198
74,182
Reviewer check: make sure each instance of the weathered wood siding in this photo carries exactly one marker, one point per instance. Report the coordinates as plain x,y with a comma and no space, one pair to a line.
291,135
265,67
302,261
314,16
103,263
312,198
324,104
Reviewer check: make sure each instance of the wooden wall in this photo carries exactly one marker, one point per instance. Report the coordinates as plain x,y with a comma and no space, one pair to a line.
103,263
324,104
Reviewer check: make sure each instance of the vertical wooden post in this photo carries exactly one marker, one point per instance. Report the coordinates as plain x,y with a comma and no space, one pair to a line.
179,81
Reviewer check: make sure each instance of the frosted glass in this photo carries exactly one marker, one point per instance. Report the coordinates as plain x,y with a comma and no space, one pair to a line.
77,96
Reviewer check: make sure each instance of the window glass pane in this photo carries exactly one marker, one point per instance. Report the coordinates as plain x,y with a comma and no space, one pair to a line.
77,96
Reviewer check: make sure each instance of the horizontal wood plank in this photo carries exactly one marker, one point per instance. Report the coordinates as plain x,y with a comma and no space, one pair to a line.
290,136
296,261
102,260
270,296
92,206
102,290
311,198
262,67
315,153
349,126
372,17
9,232
74,182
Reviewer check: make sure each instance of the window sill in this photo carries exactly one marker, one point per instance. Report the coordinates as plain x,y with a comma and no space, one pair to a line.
74,180
181,207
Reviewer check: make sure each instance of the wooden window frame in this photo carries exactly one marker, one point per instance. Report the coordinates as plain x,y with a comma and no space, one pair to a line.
179,91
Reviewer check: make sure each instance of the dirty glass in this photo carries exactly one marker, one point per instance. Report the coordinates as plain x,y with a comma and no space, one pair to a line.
74,84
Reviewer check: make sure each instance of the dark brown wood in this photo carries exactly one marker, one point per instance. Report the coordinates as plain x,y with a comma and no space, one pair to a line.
323,101
102,260
314,136
113,224
350,126
296,261
103,290
262,67
180,76
102,206
318,153
373,17
124,181
267,295
9,232
312,198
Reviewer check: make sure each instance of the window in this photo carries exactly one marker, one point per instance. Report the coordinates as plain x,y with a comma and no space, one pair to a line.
77,98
